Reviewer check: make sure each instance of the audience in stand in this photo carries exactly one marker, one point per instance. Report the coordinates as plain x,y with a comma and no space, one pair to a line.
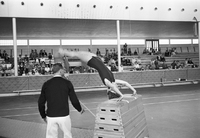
145,51
42,53
160,58
167,53
129,52
173,51
136,64
41,63
112,65
170,52
176,64
135,53
189,63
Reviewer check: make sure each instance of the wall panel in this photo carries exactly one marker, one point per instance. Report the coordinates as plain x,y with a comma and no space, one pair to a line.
72,28
152,76
36,82
171,75
193,74
10,84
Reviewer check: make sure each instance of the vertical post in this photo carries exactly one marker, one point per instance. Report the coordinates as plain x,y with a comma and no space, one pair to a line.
15,45
61,43
199,38
118,45
91,45
28,48
11,53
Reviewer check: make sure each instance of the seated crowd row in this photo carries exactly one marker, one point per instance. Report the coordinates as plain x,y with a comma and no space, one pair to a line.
41,63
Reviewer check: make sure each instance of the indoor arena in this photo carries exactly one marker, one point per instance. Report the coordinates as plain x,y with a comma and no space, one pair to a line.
99,69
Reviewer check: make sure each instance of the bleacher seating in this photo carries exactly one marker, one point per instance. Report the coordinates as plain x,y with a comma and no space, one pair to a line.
146,59
182,53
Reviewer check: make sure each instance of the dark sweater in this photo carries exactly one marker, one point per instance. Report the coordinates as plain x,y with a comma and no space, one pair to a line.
56,93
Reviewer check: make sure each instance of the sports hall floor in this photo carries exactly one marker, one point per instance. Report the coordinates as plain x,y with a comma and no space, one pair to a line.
171,112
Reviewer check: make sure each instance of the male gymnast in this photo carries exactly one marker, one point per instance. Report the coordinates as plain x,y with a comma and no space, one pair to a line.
95,62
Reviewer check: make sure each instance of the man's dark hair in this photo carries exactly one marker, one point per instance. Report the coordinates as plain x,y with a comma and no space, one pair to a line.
57,67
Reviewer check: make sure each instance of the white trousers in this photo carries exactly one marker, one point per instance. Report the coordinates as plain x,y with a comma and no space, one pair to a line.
64,123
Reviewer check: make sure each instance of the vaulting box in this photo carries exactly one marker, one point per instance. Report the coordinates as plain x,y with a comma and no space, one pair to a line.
124,119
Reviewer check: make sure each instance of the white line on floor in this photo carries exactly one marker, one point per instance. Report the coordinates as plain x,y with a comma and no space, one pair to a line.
20,115
178,101
22,108
180,95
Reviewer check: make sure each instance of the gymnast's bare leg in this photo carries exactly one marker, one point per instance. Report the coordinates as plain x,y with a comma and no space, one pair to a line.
87,56
82,55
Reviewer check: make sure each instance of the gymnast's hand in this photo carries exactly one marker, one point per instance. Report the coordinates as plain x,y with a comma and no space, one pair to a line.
82,111
120,98
134,93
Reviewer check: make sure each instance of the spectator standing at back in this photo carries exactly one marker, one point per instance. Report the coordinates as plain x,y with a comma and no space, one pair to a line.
4,54
41,53
36,54
115,56
135,53
125,47
45,53
56,92
129,52
20,59
26,59
98,52
106,56
31,56
50,56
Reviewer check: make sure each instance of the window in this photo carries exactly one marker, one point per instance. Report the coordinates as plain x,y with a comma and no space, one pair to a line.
10,42
133,41
75,42
195,41
152,44
6,42
114,41
163,41
44,42
104,42
180,41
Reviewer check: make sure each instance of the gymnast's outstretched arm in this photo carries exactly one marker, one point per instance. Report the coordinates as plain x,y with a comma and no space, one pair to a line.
126,84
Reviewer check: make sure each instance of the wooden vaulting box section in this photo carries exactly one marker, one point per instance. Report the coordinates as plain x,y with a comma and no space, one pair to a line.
121,119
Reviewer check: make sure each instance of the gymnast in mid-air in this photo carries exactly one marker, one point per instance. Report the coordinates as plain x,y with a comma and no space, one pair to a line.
105,74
